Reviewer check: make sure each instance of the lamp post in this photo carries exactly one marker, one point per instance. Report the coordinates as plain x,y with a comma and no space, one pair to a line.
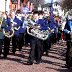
51,3
5,4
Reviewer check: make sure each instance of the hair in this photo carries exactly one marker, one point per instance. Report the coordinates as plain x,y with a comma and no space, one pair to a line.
35,12
18,12
40,12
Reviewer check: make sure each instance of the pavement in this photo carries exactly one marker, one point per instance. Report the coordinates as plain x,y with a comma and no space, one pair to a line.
54,62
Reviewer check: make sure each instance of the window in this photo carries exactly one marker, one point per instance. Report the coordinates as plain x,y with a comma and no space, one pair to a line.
22,1
14,1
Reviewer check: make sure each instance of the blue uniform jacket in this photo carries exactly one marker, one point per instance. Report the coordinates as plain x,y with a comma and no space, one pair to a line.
42,24
46,21
22,28
68,26
56,27
16,20
1,29
8,24
52,23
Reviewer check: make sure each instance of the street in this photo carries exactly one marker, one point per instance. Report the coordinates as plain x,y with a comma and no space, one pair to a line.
54,62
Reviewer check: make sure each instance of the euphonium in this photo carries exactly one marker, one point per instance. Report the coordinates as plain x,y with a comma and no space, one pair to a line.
10,33
3,26
33,29
1,30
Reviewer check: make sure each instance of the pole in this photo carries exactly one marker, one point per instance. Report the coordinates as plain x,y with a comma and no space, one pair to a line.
5,4
51,3
52,6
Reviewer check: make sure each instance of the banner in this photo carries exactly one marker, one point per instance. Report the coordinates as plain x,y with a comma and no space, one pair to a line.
25,10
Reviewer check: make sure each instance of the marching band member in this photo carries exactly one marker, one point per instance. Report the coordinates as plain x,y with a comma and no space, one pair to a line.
22,30
6,39
51,23
56,28
59,29
2,25
16,23
27,36
43,26
35,53
47,43
68,33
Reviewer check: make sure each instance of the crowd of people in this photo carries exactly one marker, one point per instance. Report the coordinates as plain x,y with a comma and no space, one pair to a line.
19,22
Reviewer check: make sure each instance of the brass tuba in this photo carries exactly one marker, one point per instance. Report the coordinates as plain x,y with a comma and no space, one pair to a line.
3,24
33,29
1,19
10,33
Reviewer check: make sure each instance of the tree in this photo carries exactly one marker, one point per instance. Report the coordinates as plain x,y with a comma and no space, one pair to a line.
67,4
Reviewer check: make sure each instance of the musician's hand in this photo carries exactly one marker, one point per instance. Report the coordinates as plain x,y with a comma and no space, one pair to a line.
37,27
52,30
12,25
6,33
49,29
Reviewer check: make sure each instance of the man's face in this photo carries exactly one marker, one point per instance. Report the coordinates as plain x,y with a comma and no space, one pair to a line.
19,15
12,14
70,17
41,16
45,13
35,16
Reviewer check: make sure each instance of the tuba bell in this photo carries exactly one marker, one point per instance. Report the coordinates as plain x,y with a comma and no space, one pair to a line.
9,34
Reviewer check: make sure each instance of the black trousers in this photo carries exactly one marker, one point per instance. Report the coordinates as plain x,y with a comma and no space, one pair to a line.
58,36
21,41
6,46
53,38
1,43
46,45
69,53
36,49
27,38
15,42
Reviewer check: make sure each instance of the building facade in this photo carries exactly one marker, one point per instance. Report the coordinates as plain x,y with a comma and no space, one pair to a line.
7,5
57,10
